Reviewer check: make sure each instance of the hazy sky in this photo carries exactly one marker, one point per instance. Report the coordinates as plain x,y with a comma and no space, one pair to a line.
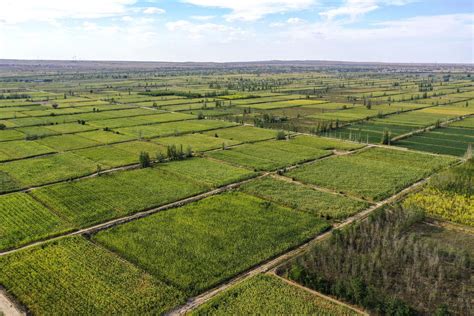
228,30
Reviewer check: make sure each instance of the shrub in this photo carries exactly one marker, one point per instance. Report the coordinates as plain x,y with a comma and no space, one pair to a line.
144,160
280,135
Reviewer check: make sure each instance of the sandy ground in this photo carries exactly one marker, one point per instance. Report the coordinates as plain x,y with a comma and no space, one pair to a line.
7,307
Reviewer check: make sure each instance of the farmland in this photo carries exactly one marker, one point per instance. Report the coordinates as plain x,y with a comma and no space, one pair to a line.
268,295
304,198
139,190
449,195
207,242
76,276
372,174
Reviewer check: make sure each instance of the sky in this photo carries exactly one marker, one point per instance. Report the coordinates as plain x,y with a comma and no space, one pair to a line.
439,31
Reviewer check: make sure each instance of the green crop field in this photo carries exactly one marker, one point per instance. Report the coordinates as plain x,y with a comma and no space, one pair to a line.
467,123
67,142
449,141
373,174
197,141
46,169
175,128
243,134
22,149
201,244
269,155
22,220
299,197
75,276
121,154
102,198
267,295
208,172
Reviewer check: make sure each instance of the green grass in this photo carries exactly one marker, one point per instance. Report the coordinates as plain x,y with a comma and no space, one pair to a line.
268,295
201,244
269,155
22,220
73,276
97,199
21,149
299,197
372,174
47,169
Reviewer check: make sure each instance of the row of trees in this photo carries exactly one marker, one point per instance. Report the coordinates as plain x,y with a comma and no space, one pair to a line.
173,153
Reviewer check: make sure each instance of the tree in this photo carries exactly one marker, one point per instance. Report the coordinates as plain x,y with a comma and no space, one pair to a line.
386,137
160,157
144,160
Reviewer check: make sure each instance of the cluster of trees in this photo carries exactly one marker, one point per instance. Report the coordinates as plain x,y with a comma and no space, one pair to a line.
425,86
383,266
268,119
14,96
173,152
324,127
